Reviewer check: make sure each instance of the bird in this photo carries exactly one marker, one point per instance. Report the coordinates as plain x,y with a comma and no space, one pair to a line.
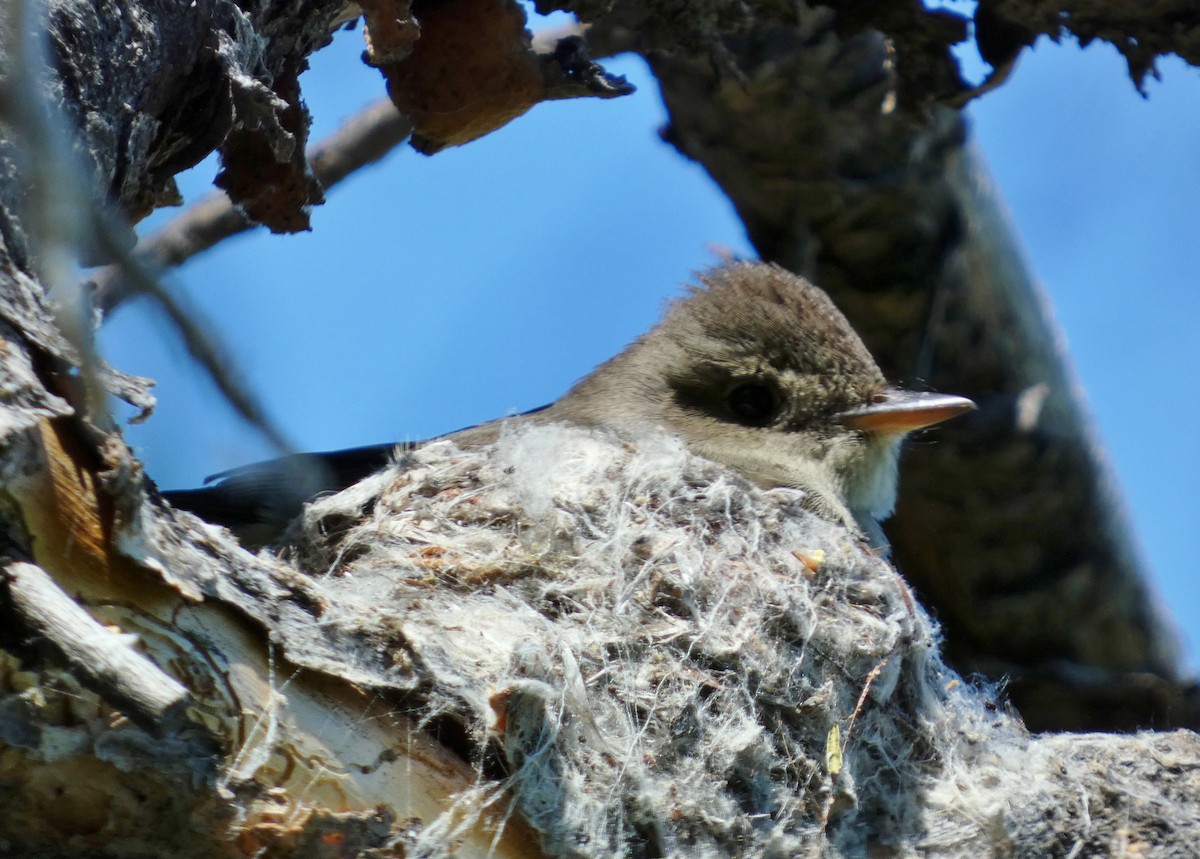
754,368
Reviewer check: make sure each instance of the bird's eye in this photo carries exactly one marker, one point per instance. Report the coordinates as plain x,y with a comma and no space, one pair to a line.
753,402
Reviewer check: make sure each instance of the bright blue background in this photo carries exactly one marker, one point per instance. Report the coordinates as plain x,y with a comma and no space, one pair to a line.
437,292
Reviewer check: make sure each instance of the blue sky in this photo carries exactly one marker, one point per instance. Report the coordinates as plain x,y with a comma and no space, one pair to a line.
434,293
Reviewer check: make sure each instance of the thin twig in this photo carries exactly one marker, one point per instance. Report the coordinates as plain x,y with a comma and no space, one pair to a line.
200,341
363,139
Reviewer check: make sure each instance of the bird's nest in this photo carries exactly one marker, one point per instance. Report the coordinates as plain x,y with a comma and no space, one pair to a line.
652,657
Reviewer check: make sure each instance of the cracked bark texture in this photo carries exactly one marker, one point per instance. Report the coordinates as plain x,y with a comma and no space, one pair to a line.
834,129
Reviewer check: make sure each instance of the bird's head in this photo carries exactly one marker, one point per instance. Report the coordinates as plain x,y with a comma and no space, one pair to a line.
757,369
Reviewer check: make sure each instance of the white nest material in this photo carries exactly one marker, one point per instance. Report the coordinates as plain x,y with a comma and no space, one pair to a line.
655,658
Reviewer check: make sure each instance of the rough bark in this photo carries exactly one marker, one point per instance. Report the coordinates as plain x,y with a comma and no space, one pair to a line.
564,644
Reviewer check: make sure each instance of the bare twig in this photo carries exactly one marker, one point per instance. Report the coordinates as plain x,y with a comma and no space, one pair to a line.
363,139
201,344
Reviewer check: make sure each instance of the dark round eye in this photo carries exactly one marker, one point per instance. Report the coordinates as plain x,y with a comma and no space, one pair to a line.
753,402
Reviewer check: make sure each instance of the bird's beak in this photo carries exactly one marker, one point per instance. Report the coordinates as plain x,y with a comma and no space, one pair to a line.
898,411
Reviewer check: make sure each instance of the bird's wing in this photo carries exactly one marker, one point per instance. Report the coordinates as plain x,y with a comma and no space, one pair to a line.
257,501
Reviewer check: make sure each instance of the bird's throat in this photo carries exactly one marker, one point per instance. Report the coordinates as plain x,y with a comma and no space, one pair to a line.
870,481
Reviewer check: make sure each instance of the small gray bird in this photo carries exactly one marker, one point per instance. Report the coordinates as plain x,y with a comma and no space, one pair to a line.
755,369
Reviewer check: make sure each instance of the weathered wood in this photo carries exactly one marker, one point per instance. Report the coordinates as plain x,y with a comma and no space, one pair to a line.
100,658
